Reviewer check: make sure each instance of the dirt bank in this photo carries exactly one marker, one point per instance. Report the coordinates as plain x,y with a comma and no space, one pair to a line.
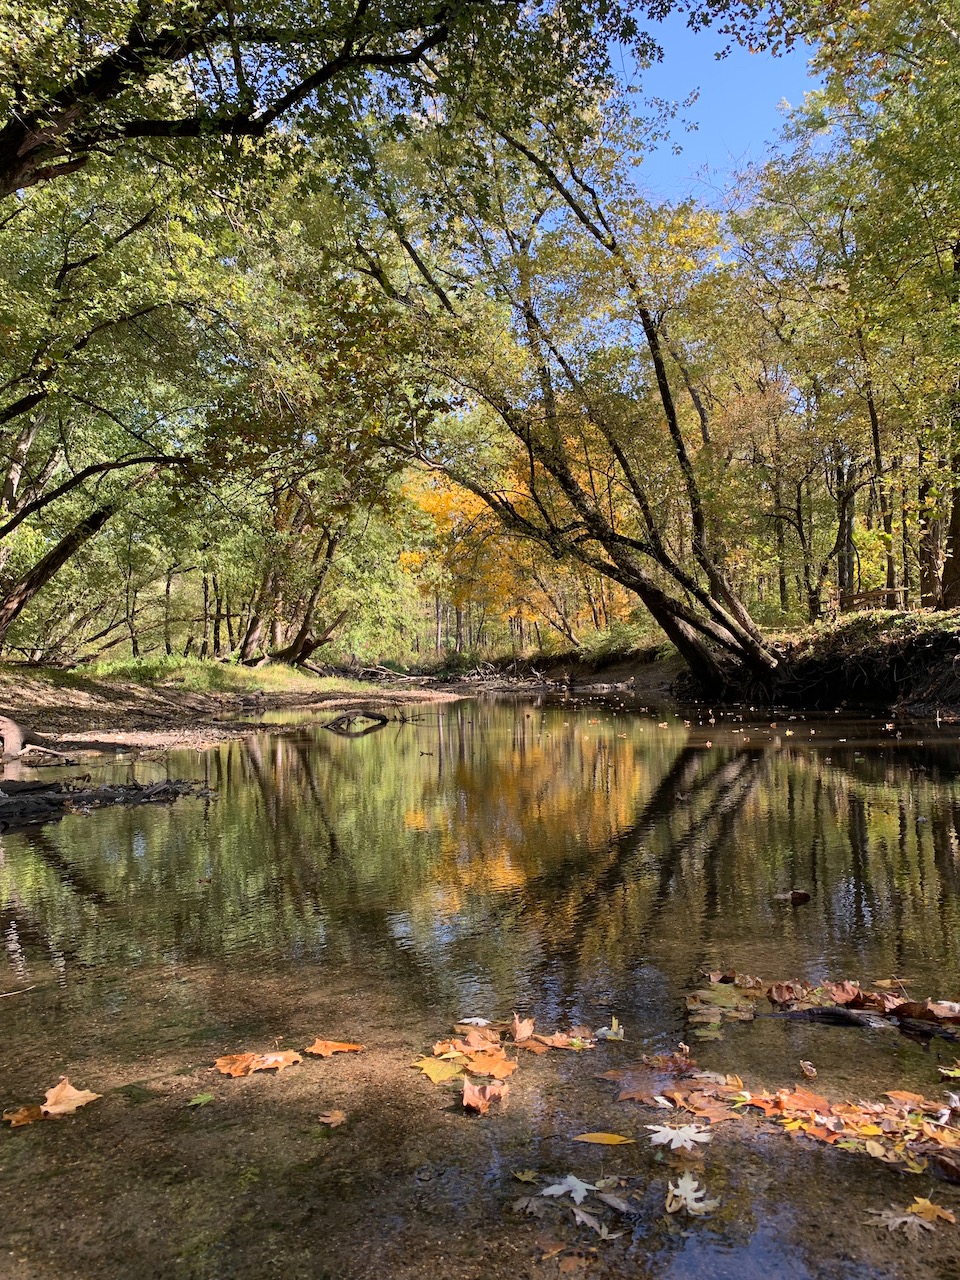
89,714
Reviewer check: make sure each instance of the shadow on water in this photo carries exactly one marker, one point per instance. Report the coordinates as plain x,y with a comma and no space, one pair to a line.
569,862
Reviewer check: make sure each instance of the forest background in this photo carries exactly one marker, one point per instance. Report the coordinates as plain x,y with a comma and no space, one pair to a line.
349,333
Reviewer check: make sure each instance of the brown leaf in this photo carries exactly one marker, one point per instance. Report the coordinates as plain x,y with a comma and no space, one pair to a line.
63,1099
477,1035
479,1097
244,1064
521,1028
333,1118
533,1045
23,1115
842,992
786,992
808,1069
325,1048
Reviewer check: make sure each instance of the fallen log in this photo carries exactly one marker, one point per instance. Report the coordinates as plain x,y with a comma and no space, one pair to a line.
18,738
342,725
25,804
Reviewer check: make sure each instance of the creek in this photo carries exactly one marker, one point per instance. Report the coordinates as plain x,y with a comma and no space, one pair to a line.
572,860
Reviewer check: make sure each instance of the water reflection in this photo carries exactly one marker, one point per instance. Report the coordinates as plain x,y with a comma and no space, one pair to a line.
511,854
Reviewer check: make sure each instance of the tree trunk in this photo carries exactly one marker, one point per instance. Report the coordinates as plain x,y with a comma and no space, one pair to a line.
20,595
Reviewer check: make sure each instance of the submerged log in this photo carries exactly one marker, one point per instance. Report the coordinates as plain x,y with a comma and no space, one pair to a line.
26,803
343,725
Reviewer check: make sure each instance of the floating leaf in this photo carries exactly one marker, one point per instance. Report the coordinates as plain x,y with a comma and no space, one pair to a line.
526,1175
808,1069
479,1097
521,1028
688,1194
332,1118
326,1048
497,1065
63,1099
570,1186
602,1139
243,1064
617,1202
477,1022
613,1032
678,1137
200,1100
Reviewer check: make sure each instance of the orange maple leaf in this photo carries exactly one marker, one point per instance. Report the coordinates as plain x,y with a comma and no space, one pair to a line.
243,1064
23,1115
325,1048
491,1064
479,1097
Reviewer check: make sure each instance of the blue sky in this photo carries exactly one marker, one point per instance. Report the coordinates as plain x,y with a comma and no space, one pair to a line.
737,112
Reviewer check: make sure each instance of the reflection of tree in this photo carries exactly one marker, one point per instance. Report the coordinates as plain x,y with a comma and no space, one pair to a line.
495,845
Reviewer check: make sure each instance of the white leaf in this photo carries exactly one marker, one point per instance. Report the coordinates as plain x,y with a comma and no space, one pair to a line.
586,1219
572,1186
909,1223
661,1101
688,1194
475,1022
613,1032
678,1137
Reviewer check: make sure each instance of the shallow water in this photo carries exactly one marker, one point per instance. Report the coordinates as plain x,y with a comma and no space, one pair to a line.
571,861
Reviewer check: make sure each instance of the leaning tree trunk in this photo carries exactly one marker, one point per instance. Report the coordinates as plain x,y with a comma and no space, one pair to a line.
20,595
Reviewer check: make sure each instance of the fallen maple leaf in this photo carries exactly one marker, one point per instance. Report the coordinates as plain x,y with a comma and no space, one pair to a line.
332,1118
23,1115
808,1069
326,1048
479,1097
617,1202
477,1022
200,1100
909,1223
602,1139
521,1028
688,1194
244,1064
929,1211
525,1175
490,1064
63,1099
570,1186
678,1137
439,1069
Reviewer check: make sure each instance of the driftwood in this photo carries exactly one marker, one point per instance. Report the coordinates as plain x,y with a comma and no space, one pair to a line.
341,725
25,803
17,738
843,1016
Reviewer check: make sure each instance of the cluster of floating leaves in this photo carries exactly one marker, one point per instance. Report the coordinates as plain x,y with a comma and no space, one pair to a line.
734,997
479,1049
